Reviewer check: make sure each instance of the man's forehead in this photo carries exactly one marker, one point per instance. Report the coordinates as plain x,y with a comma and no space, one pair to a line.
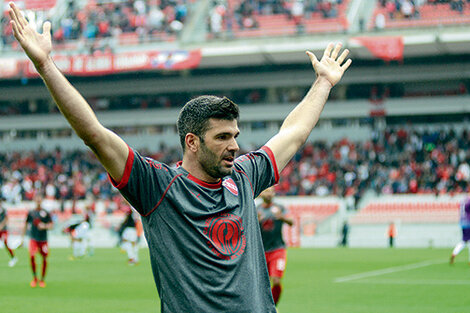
220,125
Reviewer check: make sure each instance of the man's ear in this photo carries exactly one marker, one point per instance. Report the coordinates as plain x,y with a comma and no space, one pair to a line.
192,142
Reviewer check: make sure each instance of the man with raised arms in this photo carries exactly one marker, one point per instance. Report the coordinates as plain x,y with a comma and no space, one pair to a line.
199,218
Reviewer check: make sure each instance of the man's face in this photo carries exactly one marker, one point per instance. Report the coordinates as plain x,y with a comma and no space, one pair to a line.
218,147
38,200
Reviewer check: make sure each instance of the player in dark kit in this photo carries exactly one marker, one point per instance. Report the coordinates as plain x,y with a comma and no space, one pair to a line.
272,216
4,234
130,230
38,222
199,218
465,225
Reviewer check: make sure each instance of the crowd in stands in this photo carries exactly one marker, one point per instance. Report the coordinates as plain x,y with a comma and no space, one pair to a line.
106,19
59,175
243,14
410,9
394,161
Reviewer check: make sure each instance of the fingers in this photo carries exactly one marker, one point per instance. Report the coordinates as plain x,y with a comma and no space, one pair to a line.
345,66
328,49
20,15
17,16
312,57
335,53
46,28
16,32
343,56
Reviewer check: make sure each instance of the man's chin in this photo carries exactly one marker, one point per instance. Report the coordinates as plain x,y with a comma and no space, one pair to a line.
225,171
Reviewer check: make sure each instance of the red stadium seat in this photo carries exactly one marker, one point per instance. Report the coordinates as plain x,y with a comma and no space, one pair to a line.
408,212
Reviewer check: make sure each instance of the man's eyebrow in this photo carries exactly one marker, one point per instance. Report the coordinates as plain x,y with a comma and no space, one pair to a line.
228,133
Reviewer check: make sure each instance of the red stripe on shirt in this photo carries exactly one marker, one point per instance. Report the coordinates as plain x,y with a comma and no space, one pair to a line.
127,171
273,161
251,185
163,196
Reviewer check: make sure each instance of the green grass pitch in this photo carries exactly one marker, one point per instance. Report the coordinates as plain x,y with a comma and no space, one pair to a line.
345,280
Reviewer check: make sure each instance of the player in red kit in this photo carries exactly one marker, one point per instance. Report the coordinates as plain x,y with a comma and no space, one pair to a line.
272,217
4,234
38,222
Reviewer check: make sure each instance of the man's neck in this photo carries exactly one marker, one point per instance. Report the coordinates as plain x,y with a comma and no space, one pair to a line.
194,168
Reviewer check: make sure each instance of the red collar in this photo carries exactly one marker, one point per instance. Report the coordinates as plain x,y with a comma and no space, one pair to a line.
205,184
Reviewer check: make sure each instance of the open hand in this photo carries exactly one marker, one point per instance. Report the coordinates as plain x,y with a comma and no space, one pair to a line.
329,67
37,46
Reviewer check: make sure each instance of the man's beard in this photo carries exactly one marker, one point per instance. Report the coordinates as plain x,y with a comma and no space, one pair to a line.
211,163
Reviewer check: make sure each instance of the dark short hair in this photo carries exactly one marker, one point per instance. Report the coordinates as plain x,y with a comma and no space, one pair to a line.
194,116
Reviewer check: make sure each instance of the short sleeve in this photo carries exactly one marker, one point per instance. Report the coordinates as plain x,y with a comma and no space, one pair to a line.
144,182
260,168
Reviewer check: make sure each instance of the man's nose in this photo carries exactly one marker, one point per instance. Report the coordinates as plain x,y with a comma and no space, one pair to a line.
233,145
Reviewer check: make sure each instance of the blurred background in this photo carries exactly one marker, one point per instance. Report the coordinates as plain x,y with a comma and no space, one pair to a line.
391,144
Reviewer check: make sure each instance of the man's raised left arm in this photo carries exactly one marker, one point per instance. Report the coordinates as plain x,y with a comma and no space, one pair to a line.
299,123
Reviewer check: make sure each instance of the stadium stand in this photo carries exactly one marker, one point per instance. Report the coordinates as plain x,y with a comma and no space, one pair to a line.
244,19
416,212
317,212
403,158
396,161
102,24
408,14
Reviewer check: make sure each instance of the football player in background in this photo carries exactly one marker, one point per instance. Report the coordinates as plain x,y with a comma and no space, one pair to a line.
465,225
272,216
4,234
80,237
38,222
131,229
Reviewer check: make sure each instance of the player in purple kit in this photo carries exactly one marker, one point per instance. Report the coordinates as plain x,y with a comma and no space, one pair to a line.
465,225
38,222
4,234
272,216
199,218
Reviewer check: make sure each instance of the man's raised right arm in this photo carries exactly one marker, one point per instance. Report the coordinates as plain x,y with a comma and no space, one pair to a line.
109,148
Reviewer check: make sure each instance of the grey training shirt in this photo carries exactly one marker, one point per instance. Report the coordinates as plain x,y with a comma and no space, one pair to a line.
204,239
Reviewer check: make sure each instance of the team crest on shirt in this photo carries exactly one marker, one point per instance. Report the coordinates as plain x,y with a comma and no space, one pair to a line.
230,185
42,214
225,235
268,224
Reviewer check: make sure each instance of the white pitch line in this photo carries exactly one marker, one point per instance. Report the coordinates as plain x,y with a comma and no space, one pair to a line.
388,270
415,282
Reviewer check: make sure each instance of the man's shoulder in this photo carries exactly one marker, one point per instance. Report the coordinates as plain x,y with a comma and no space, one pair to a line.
252,155
159,165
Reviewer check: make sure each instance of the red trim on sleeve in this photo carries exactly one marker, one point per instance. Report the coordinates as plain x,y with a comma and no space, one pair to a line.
127,171
273,161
